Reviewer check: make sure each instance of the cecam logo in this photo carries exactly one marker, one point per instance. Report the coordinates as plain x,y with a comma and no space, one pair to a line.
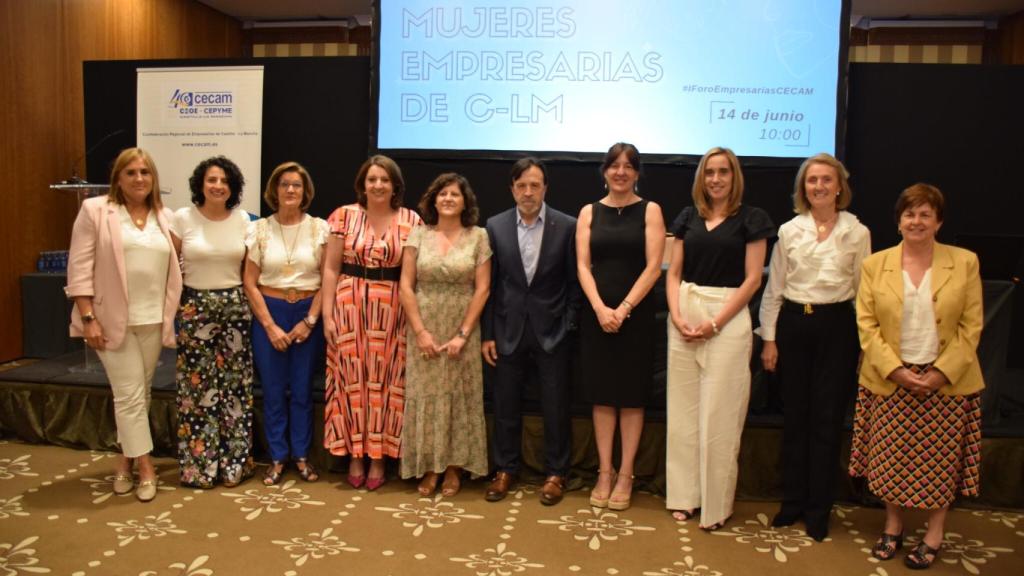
202,104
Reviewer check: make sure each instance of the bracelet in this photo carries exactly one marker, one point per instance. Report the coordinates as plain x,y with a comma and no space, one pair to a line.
627,304
714,326
420,331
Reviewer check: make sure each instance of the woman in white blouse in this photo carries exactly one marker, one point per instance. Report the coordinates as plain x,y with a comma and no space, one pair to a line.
214,374
809,327
124,278
282,281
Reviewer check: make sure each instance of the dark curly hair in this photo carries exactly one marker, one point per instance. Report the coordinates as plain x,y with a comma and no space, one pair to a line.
428,202
235,180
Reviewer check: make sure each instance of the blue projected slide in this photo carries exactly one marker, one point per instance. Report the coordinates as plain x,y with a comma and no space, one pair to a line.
671,76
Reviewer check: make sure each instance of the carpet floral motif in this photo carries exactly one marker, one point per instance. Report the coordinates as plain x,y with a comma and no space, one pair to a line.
497,561
17,467
779,542
595,525
685,568
1008,519
195,568
151,527
11,507
317,546
20,559
428,513
970,553
277,498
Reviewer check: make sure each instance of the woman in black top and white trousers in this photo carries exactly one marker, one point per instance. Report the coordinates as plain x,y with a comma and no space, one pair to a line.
715,268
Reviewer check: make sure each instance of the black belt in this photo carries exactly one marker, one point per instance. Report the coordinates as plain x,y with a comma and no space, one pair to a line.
358,271
808,309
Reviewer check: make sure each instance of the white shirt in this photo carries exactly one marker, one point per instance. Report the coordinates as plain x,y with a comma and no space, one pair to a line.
530,238
146,256
270,245
806,271
211,251
919,339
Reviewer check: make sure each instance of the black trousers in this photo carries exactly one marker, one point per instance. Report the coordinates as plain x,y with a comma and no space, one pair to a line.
553,374
817,369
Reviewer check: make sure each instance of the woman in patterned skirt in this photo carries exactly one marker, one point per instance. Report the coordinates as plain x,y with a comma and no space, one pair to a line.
365,324
214,368
446,277
917,431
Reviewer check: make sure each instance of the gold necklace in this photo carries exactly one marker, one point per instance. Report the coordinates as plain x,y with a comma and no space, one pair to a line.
823,226
288,269
139,222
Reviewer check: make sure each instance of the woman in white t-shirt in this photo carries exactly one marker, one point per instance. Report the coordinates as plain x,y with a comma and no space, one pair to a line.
124,278
282,281
215,370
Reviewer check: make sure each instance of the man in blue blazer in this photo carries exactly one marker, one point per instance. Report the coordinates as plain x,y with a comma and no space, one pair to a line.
534,299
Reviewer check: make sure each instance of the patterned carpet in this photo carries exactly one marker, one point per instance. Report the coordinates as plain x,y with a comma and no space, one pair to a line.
59,516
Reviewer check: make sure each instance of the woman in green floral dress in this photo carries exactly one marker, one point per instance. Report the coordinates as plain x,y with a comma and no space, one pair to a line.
446,276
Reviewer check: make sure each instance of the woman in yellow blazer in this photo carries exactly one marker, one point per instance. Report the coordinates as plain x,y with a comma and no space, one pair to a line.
917,431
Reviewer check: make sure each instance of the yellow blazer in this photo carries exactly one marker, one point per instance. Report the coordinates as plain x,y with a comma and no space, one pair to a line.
956,292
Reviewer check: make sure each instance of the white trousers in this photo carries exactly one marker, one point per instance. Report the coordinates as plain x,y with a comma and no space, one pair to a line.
130,372
708,389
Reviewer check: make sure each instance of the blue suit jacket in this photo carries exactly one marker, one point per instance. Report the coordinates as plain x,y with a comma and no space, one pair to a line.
549,305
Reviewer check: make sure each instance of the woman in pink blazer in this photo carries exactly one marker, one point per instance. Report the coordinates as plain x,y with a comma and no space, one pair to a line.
124,277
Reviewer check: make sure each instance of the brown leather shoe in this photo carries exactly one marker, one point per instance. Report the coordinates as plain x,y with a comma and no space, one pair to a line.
551,491
498,488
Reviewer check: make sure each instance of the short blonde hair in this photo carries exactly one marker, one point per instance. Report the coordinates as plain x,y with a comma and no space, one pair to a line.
270,192
126,157
800,203
700,195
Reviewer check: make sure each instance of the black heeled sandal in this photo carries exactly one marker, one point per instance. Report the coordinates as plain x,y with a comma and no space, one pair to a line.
921,556
307,472
887,546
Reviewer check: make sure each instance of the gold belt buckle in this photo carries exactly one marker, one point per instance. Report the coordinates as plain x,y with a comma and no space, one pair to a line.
291,295
808,309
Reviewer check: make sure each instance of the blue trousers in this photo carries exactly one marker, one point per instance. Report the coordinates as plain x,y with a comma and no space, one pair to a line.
287,380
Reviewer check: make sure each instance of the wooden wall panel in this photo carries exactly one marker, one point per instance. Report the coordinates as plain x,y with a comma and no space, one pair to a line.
1011,33
42,46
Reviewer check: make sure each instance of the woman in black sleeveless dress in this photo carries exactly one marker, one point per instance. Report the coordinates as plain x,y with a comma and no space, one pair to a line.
619,244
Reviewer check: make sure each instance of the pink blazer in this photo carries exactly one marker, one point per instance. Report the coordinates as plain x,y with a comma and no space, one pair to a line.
96,268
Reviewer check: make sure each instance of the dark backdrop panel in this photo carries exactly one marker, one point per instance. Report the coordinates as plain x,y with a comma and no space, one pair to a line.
955,126
315,112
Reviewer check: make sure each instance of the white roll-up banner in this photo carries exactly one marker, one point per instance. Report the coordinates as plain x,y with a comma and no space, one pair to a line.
185,115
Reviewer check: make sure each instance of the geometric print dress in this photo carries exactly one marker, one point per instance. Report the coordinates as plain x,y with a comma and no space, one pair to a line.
365,387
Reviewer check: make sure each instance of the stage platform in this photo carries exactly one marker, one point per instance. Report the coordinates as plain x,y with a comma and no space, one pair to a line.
44,401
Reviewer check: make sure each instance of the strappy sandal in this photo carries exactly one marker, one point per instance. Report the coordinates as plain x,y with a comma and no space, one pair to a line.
621,503
427,485
684,515
306,470
602,501
273,474
921,556
887,546
451,484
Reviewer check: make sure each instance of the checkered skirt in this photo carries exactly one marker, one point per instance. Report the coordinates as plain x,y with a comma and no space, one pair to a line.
917,451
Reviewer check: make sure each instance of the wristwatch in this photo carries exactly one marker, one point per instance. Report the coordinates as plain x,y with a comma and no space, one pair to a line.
310,321
88,317
463,333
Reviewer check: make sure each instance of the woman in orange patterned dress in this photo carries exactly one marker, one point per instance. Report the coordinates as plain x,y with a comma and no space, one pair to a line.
364,323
